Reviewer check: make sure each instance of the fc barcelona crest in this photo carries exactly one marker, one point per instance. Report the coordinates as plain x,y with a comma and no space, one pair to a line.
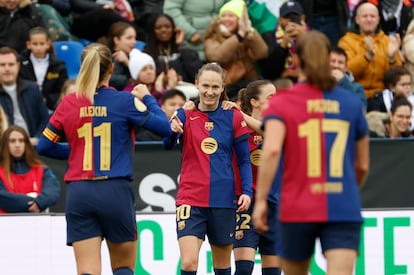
239,234
181,225
209,126
257,139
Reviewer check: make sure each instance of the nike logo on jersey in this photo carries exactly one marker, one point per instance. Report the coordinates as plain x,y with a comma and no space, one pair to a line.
194,117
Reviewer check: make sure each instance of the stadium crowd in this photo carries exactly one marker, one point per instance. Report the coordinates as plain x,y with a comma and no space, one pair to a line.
162,44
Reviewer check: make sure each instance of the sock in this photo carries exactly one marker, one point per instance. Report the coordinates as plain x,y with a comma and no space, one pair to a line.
225,271
244,267
183,272
271,271
123,271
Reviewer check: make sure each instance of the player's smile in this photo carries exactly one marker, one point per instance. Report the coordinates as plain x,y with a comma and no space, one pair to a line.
210,85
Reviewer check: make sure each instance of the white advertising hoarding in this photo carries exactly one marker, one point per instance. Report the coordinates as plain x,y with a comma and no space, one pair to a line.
36,245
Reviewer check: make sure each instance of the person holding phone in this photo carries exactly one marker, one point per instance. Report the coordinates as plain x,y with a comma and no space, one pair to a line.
281,42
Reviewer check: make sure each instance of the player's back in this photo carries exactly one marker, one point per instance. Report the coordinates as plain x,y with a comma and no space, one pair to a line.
99,135
319,153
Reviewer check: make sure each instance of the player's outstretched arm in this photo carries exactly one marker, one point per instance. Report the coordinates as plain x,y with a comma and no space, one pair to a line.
157,121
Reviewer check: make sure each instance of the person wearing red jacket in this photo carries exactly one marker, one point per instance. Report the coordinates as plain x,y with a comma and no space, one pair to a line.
26,184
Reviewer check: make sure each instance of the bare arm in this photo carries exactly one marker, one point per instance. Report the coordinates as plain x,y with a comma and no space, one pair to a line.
253,123
273,140
362,160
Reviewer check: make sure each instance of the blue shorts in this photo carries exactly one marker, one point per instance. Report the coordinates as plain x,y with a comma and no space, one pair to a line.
268,243
103,208
217,223
298,239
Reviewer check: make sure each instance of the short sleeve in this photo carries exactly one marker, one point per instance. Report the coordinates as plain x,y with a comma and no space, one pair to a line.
239,124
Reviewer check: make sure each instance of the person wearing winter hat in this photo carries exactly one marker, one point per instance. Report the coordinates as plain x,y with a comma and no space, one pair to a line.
138,61
234,6
232,42
143,71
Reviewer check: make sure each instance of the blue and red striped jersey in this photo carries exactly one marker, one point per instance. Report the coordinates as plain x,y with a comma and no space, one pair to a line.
100,136
255,147
319,181
207,177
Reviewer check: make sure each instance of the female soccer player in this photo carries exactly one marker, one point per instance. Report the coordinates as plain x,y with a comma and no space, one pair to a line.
97,122
253,100
206,199
324,137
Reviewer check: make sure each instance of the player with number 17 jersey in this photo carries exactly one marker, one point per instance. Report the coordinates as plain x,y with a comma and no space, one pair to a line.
316,186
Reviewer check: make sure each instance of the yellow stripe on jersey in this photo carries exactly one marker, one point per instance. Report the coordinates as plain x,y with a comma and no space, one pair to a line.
50,135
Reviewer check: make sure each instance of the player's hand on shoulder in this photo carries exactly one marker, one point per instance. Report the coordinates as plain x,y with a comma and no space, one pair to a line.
243,203
140,91
228,105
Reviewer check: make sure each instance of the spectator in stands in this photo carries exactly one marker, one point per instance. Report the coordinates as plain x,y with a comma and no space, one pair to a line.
93,18
69,87
282,61
26,184
143,71
39,64
17,17
395,15
408,51
21,99
399,119
397,82
327,16
232,42
57,18
193,17
170,102
283,83
121,39
166,46
4,122
143,11
338,60
370,52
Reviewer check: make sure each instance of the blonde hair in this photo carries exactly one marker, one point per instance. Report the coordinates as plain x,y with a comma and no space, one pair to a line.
313,51
96,62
